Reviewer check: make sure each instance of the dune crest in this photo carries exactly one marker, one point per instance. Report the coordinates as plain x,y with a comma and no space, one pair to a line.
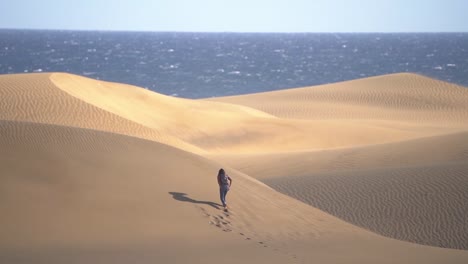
225,128
431,164
411,190
403,97
94,170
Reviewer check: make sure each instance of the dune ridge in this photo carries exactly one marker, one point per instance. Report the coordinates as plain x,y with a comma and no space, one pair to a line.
428,208
35,98
213,127
322,178
93,170
444,149
403,97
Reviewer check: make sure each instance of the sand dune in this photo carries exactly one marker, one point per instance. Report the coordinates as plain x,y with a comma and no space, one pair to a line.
205,126
445,149
400,97
103,172
104,197
35,98
412,190
425,205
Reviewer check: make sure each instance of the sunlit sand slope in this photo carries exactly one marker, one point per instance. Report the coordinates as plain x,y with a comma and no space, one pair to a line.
409,189
400,98
220,127
92,171
35,98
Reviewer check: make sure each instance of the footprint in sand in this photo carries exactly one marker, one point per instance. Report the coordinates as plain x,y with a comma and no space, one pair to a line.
262,243
220,221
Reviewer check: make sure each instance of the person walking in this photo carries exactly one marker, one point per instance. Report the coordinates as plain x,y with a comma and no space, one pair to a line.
224,182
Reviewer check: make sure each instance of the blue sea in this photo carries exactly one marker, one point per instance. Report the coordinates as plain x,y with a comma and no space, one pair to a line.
199,65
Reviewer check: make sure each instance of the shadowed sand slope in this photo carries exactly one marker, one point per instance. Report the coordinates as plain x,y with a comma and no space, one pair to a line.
77,195
93,171
82,195
425,205
410,189
414,191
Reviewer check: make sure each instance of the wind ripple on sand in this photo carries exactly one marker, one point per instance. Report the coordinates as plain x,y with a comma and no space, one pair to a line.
35,98
396,97
87,154
425,205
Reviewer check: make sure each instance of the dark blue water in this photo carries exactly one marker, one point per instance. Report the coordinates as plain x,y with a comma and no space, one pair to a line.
196,65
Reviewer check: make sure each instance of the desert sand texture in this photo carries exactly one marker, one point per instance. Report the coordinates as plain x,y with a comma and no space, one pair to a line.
99,172
410,189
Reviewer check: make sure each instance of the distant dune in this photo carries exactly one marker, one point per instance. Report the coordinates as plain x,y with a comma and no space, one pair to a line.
93,171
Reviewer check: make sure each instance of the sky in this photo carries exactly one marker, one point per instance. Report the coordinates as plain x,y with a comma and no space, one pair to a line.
238,15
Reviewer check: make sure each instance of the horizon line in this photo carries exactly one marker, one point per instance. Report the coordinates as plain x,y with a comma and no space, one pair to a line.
237,32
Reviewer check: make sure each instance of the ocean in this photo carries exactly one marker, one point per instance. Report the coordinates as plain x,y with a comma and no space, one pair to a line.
200,65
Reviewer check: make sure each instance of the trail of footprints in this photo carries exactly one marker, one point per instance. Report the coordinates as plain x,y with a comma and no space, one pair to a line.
223,222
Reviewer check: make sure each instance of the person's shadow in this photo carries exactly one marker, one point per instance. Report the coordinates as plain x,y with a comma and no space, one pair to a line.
183,198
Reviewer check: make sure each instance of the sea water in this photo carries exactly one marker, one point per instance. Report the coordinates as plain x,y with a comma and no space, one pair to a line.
199,65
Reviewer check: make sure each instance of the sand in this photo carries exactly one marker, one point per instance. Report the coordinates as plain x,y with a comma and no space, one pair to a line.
366,171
